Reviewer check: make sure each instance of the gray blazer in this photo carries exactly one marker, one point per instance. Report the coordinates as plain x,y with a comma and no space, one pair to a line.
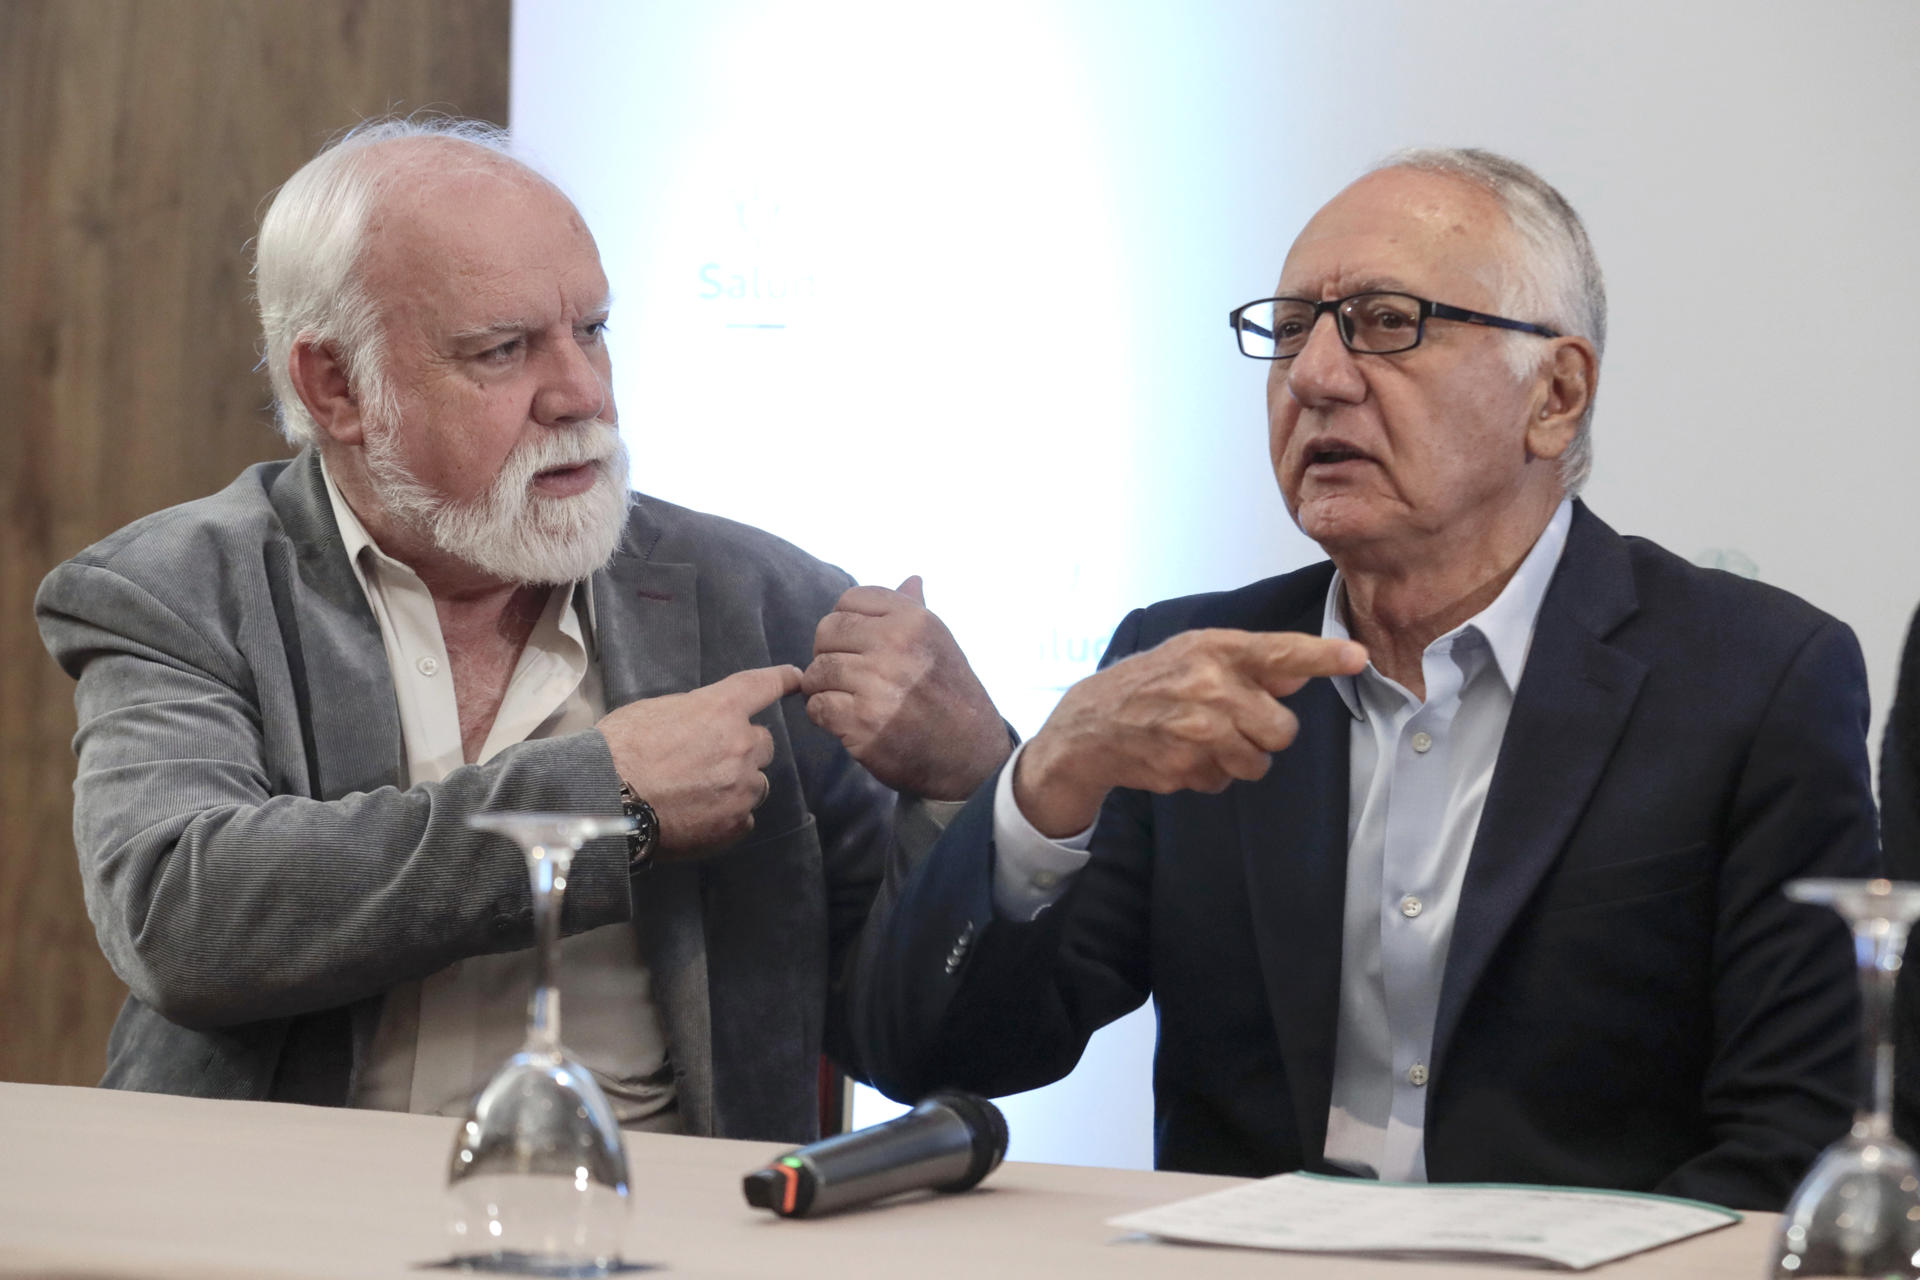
260,874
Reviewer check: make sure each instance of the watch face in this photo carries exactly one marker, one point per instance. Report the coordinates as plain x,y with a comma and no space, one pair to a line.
646,827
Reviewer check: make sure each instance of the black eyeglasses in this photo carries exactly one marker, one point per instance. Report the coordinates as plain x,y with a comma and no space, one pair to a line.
1373,323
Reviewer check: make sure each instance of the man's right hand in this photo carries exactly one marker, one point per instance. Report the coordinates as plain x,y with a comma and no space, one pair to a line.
1192,714
697,757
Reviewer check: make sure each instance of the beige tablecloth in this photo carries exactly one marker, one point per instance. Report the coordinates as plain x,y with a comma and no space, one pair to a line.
100,1184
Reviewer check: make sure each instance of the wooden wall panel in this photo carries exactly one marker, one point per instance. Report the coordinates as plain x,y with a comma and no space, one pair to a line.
138,139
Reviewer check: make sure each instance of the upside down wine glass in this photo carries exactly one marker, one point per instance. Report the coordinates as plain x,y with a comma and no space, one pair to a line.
538,1177
1857,1212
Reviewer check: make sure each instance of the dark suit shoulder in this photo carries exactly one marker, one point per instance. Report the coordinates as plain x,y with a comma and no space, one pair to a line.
1290,602
1724,613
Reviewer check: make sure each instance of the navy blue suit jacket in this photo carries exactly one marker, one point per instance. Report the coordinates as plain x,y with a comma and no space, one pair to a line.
1900,838
1629,1001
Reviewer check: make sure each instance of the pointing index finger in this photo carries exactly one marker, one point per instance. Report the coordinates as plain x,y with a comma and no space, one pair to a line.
1283,661
760,687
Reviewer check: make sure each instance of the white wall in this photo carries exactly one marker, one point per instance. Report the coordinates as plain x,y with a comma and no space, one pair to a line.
943,290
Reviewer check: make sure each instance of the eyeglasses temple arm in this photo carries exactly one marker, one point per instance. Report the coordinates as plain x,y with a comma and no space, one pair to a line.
1444,312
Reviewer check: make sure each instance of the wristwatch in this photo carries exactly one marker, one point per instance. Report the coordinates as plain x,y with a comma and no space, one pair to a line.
644,840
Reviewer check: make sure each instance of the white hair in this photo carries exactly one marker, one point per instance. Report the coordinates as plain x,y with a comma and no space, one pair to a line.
307,259
1555,282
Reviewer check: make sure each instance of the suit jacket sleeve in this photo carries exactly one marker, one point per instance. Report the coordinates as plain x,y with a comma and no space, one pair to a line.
1900,837
222,899
1785,1065
949,995
1900,767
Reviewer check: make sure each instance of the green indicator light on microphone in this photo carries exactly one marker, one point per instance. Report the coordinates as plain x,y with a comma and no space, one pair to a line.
791,1163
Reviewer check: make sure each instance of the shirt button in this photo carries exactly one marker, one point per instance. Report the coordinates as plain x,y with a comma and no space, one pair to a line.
1423,742
1410,906
1417,1075
1045,879
428,666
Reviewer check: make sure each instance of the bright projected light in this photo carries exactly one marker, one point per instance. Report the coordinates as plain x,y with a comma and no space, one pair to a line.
846,305
873,293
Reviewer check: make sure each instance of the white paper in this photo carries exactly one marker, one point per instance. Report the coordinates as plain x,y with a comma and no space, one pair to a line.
1293,1211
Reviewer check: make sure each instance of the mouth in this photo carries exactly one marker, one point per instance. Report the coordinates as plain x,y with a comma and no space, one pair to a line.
567,480
1331,453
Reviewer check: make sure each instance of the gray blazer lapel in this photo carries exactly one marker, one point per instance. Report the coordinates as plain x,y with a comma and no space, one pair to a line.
348,710
646,619
647,632
1571,707
349,715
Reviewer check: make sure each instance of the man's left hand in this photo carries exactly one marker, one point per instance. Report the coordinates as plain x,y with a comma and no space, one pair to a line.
889,681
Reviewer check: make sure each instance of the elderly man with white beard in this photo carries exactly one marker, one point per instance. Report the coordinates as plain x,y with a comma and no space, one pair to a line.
293,693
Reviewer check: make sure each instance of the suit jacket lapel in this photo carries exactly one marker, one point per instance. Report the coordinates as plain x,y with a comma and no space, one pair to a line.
336,660
1293,833
646,619
335,655
1572,705
647,632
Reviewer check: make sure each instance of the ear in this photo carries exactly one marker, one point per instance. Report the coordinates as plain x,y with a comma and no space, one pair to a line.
320,378
1566,389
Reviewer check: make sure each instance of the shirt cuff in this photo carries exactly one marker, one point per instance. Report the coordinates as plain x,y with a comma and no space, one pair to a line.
1030,871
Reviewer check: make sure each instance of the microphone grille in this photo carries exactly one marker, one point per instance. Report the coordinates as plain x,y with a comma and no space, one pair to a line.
987,1128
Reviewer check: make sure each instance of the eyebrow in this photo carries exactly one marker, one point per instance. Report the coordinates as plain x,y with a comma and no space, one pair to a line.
1372,284
508,328
487,333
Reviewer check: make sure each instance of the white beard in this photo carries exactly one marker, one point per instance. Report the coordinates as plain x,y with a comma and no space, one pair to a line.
510,532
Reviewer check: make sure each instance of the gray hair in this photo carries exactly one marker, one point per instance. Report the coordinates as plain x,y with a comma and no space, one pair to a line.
307,259
1557,279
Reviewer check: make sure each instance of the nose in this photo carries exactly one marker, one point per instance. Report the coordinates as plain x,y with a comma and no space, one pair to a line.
1324,372
576,385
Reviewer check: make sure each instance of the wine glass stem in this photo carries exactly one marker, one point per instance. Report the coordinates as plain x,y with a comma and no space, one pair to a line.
547,867
1877,949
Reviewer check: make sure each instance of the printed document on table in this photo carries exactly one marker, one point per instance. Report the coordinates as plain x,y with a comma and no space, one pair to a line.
1309,1213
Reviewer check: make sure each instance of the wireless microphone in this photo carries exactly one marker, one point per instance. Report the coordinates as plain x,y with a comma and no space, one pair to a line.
948,1142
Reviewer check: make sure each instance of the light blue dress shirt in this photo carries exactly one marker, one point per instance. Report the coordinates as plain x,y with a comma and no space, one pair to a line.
1417,782
1418,777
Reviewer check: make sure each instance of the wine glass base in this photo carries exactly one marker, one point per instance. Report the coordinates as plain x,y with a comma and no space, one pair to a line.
1856,1214
538,1176
529,1264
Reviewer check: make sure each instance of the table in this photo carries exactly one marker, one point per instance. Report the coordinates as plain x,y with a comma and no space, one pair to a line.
106,1185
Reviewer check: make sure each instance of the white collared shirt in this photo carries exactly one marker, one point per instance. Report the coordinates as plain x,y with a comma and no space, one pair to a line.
1418,778
441,1038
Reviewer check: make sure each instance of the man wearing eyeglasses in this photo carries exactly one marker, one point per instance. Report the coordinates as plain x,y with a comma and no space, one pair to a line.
1458,857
